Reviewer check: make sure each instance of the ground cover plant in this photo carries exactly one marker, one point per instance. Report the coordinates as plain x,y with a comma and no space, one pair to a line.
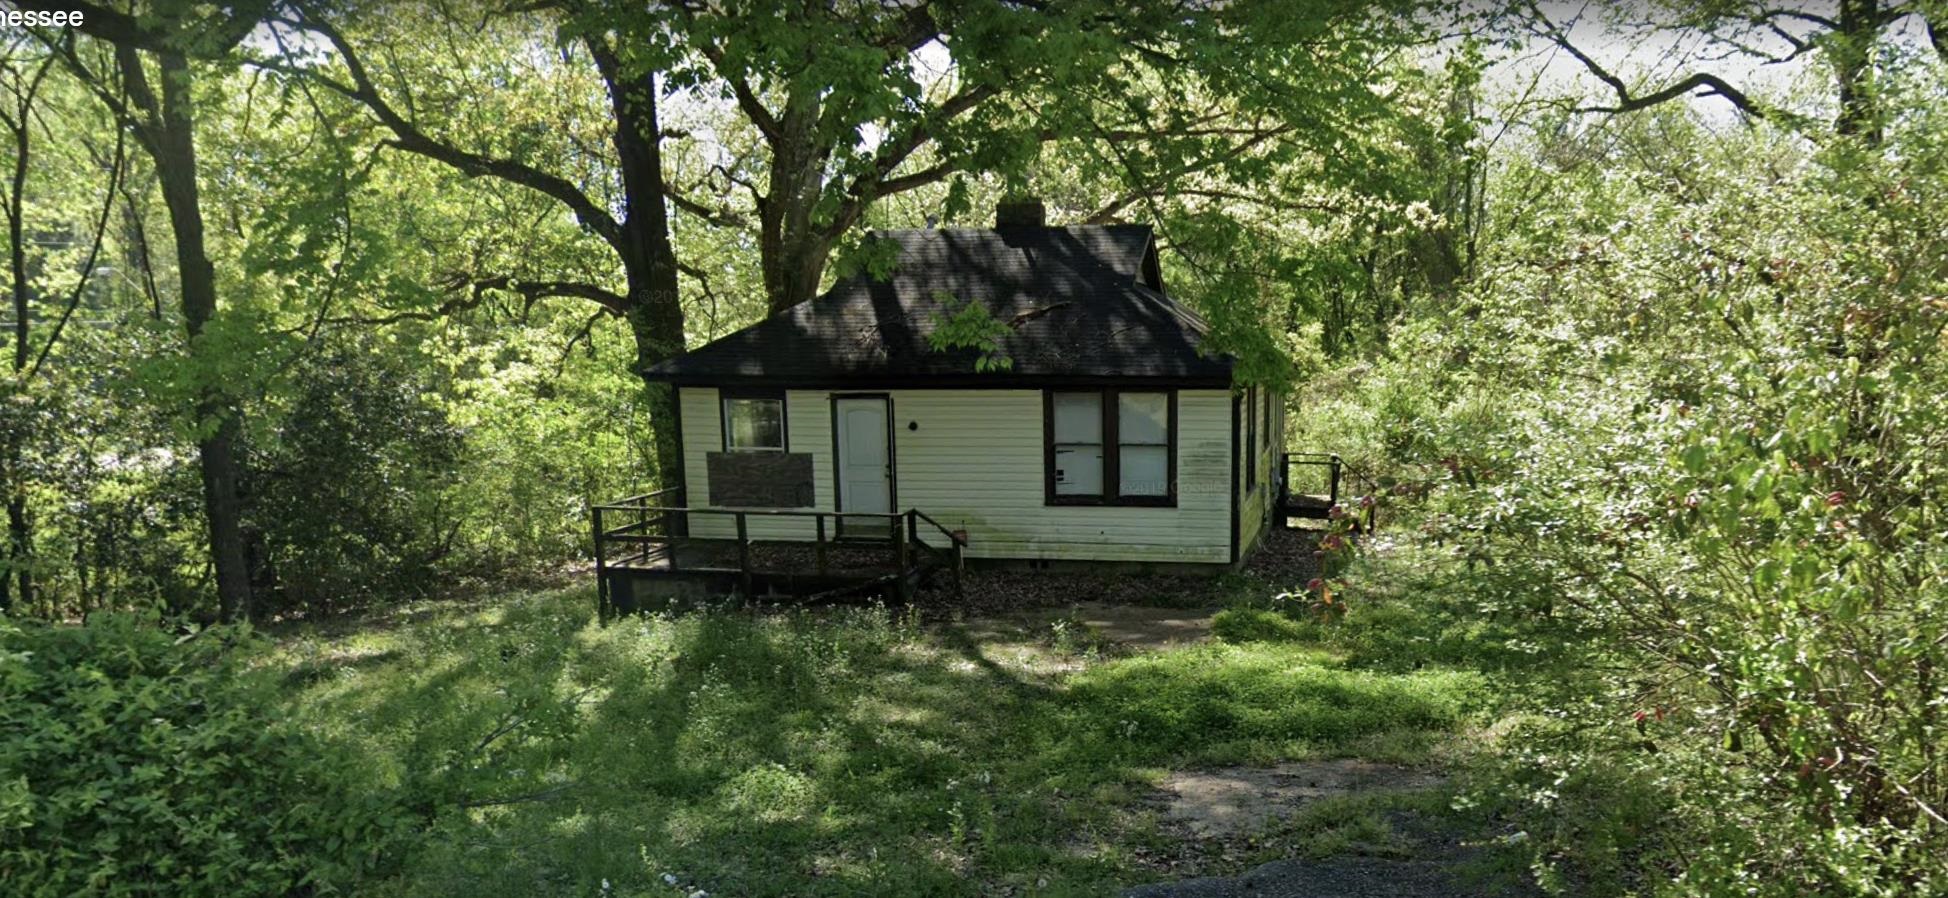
842,752
136,761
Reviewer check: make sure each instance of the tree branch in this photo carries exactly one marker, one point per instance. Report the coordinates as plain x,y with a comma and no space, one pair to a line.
1107,212
703,282
917,27
874,183
94,252
722,218
1708,84
614,302
542,795
409,137
476,295
747,100
1770,15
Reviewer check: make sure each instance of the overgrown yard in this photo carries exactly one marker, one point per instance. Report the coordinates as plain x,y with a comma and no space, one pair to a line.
847,751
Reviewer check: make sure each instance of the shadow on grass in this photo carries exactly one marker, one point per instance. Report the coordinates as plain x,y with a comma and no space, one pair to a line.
842,752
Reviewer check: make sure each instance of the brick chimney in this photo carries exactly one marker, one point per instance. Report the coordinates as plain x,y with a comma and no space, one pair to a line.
1020,212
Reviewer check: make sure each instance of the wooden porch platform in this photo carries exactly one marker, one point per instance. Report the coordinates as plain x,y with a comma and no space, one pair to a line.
645,557
1311,487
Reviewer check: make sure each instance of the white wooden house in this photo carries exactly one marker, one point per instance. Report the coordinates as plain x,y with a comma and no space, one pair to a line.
1109,434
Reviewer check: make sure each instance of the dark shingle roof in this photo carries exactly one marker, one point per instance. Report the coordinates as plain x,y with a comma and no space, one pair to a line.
1081,304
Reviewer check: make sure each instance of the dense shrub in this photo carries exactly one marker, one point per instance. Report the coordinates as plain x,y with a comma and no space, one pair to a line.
350,487
1721,468
135,762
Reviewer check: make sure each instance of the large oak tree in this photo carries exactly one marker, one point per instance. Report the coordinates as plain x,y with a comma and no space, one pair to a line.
847,107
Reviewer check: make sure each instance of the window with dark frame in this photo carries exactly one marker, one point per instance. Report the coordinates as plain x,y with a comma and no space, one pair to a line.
1111,447
753,422
1143,444
1270,430
1078,443
1251,438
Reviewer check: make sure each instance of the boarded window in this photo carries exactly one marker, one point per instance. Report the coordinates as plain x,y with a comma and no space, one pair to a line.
754,424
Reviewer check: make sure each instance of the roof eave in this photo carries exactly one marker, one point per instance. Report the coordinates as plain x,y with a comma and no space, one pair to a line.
971,380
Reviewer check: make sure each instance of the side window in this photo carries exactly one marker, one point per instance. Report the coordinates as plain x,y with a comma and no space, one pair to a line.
1078,443
1143,444
1251,438
754,423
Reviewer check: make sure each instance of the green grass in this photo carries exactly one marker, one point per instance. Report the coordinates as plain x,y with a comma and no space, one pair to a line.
847,752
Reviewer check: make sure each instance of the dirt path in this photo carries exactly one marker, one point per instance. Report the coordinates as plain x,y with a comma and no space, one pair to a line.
1132,627
1228,812
1419,854
1238,801
1339,877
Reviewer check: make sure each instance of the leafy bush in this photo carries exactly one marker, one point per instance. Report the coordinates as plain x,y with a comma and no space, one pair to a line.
350,487
133,762
1723,465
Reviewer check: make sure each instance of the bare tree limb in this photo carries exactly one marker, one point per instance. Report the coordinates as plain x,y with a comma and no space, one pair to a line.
115,172
615,303
476,292
1703,83
542,795
874,181
723,218
747,99
1773,14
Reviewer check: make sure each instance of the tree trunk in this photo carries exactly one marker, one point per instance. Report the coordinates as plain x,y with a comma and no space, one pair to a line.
19,537
649,322
655,307
792,269
792,245
173,144
1852,55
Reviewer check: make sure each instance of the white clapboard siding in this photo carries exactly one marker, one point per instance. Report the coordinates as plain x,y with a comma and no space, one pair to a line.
975,462
808,428
972,460
1254,505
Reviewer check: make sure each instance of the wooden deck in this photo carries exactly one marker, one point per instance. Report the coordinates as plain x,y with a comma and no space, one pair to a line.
1312,485
645,557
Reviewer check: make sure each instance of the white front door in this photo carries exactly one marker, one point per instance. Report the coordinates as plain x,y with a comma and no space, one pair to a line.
865,462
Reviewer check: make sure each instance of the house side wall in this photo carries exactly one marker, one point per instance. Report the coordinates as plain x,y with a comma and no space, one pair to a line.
808,429
973,460
976,463
1255,504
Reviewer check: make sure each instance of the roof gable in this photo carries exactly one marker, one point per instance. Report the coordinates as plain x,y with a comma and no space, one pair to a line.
1078,304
